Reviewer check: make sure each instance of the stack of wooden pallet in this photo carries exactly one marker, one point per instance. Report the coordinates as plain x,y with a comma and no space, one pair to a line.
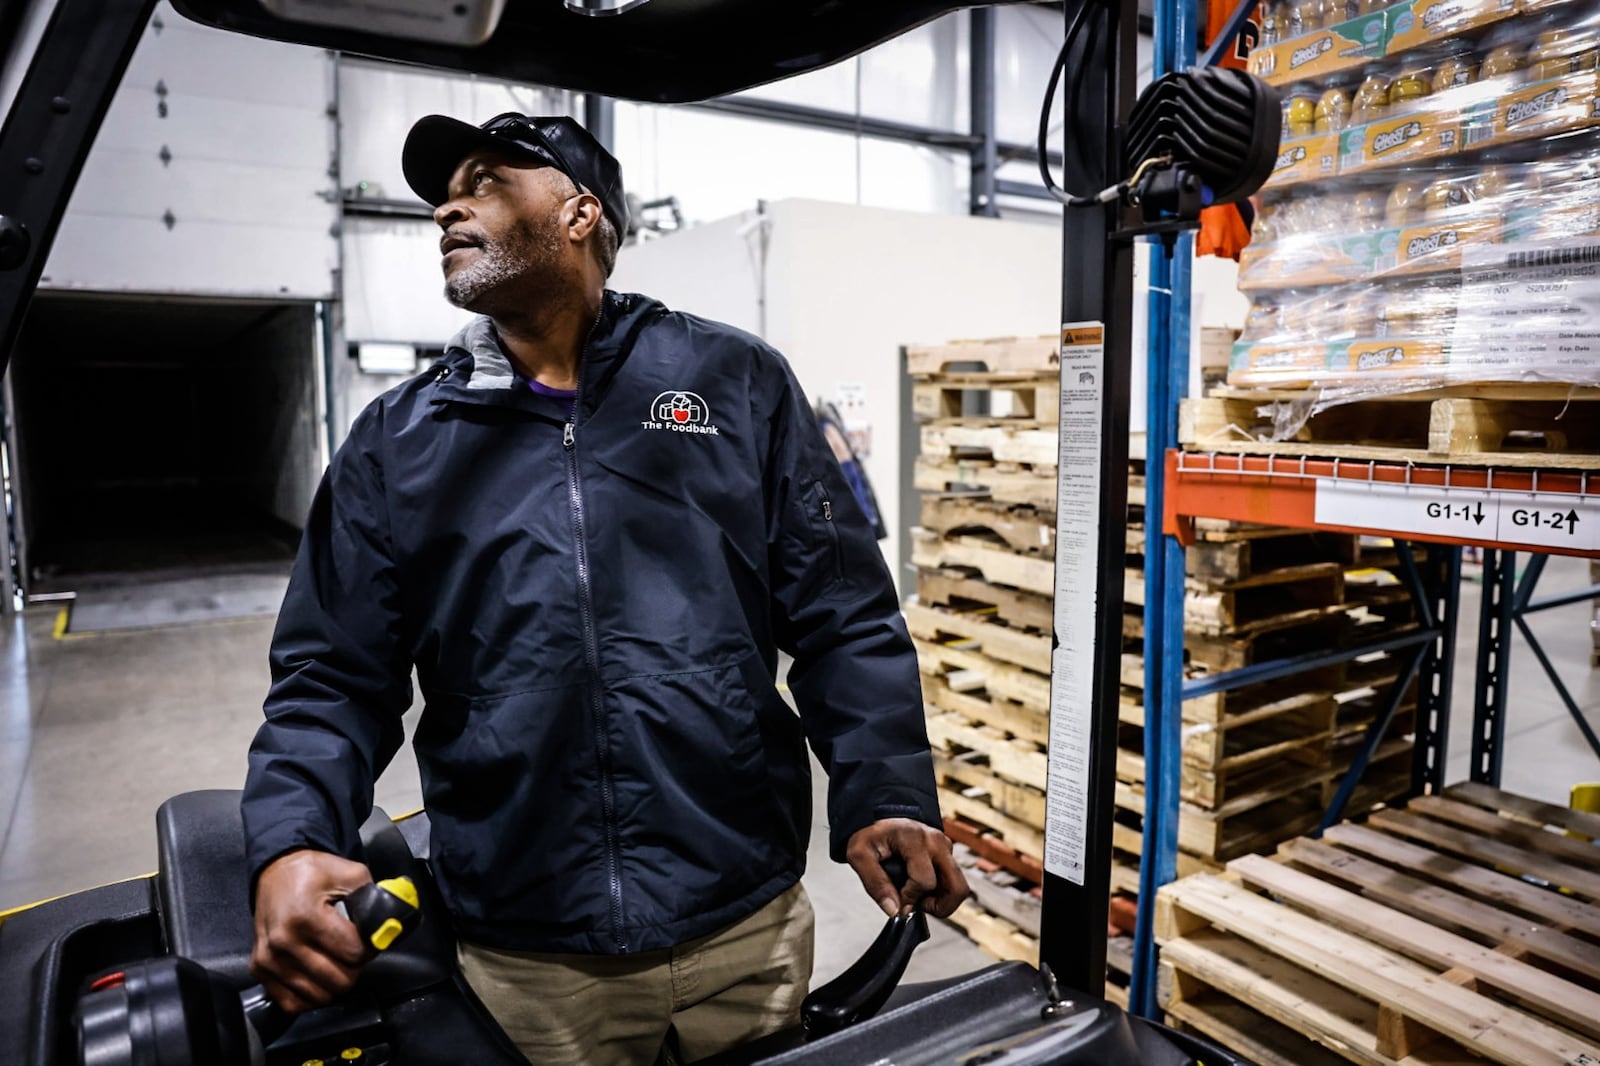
985,558
1462,929
1259,764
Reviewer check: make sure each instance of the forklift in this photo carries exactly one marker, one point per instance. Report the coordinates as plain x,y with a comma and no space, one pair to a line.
154,971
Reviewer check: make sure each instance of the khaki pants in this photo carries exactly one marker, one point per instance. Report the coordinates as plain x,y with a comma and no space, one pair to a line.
614,1010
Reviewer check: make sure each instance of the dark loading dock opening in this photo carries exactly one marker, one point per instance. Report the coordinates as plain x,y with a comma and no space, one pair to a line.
159,435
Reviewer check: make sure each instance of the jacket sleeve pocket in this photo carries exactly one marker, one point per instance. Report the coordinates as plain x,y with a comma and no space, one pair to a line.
829,565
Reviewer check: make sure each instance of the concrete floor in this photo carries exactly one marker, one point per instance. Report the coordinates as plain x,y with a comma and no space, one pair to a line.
96,731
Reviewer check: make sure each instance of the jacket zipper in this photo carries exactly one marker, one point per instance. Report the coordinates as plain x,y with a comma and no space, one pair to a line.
833,535
591,653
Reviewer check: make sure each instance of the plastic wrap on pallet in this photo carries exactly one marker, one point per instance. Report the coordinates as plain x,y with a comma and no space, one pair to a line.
1434,219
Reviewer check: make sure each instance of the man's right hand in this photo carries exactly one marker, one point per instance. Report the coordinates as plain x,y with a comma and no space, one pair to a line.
306,953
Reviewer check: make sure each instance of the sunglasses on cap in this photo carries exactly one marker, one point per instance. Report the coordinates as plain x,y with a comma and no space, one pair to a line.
518,130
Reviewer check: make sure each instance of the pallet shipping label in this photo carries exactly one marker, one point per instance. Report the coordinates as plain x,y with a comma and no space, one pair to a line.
1560,520
1531,308
1077,574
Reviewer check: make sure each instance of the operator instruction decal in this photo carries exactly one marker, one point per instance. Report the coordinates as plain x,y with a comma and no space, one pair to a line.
1558,520
1077,573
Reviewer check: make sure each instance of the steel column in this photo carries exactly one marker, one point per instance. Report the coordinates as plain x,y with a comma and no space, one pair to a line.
1168,377
1097,285
1494,665
600,119
1443,588
985,153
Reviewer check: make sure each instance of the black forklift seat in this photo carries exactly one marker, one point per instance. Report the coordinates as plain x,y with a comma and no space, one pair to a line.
203,891
203,900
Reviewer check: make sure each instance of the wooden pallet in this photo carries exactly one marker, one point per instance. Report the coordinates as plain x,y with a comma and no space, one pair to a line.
1011,758
1277,599
1232,554
999,355
1204,654
1001,892
984,558
995,444
1127,852
1280,639
1026,398
1017,719
975,632
1240,705
971,774
1359,709
1009,483
995,935
1283,808
1541,426
1194,1007
1024,530
971,673
1251,751
955,590
1011,832
1391,952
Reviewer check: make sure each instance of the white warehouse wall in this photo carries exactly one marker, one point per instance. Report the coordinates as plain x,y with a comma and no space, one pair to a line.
845,287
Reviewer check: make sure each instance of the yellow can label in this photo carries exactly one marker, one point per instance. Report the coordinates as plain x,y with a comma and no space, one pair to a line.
1305,159
1311,55
1437,245
1555,106
1422,21
1406,138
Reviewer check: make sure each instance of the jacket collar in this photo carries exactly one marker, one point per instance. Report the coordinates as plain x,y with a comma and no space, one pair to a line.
476,369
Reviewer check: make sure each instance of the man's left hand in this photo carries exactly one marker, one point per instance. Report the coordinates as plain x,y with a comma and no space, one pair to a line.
933,879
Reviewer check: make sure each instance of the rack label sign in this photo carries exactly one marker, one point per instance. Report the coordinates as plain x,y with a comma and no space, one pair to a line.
1077,573
1559,520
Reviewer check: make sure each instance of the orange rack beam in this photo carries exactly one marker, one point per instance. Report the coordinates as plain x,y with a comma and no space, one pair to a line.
1553,511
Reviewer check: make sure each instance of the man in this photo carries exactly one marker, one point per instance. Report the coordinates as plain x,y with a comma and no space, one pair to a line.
590,529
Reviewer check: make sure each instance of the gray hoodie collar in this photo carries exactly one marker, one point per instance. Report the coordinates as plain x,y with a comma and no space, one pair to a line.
490,367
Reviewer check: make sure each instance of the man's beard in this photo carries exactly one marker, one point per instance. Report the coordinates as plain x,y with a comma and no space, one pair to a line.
527,253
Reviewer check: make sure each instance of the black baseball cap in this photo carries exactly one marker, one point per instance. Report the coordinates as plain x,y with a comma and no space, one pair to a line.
437,144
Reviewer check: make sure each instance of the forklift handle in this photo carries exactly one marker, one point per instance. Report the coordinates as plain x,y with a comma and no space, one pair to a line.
861,991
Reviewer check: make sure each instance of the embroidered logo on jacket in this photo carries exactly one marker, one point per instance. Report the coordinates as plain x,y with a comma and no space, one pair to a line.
681,412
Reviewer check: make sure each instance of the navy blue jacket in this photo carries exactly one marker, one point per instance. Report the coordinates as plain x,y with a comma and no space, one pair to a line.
594,608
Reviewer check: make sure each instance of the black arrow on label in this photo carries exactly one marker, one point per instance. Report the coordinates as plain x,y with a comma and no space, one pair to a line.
1478,518
1572,521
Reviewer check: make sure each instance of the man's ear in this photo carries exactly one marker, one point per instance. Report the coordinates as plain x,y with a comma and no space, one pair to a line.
586,215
